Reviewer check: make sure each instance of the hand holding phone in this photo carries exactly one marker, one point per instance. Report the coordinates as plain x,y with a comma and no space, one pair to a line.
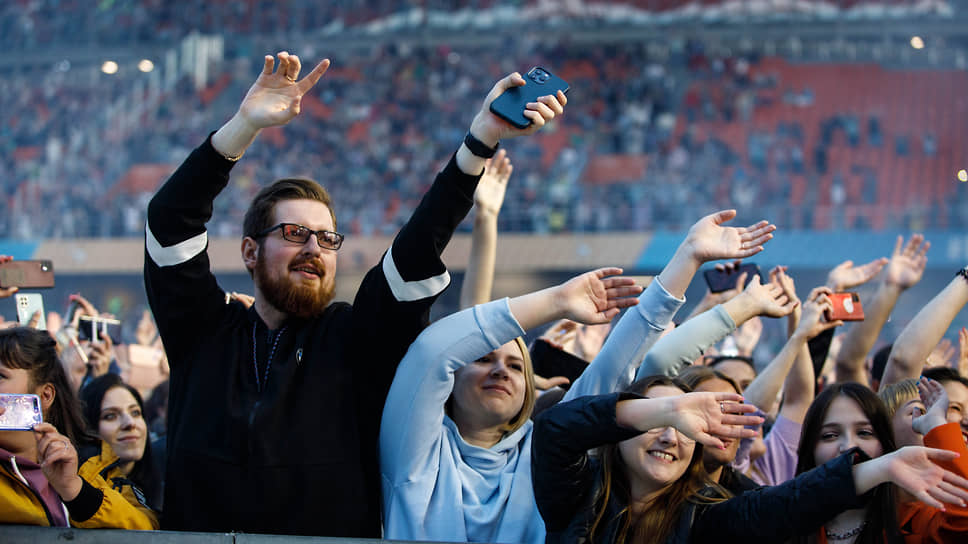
93,328
514,101
725,279
19,412
846,307
37,274
28,305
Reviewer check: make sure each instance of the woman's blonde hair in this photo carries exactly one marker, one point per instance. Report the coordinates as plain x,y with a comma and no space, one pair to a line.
895,395
530,395
527,407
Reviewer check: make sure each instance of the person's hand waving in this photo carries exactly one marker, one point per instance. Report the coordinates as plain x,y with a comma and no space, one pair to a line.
594,297
274,98
709,239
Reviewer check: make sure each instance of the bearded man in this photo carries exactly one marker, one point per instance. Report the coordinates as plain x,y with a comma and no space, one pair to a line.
274,409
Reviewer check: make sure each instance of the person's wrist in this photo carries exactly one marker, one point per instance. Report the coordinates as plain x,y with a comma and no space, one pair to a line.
740,308
801,335
668,408
483,133
929,422
70,489
484,214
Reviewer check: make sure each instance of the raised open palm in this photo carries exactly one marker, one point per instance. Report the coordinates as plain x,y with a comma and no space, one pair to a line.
274,99
593,297
907,263
710,240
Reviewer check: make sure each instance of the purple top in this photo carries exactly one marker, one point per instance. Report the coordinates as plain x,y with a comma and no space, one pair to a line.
32,472
779,463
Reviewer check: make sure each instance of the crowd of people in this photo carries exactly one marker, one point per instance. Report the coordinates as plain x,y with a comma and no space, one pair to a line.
386,113
370,421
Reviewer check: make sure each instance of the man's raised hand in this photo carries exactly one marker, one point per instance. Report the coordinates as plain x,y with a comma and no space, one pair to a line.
490,129
274,99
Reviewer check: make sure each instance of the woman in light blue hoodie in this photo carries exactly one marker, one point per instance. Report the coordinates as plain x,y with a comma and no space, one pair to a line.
455,442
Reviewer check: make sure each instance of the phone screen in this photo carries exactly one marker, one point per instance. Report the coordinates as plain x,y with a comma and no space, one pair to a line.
21,412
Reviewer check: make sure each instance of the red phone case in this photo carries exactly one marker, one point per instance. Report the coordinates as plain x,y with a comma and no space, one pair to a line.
847,307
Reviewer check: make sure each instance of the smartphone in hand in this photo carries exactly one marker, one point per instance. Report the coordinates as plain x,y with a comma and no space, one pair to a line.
91,328
29,274
27,305
20,412
512,103
723,280
846,307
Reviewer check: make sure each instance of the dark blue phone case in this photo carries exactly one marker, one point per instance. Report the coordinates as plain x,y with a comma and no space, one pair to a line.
511,104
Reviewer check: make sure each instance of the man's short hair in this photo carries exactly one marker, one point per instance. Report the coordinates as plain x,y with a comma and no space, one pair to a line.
943,374
259,216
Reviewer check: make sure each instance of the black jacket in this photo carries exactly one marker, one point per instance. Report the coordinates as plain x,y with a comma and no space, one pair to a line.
300,457
567,481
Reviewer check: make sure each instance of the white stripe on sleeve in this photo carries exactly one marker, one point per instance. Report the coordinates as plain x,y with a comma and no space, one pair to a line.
176,254
409,291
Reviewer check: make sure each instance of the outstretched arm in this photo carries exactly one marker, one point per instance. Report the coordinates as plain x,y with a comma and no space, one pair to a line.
691,339
903,270
708,239
488,198
181,289
414,408
273,100
919,337
802,505
562,474
763,390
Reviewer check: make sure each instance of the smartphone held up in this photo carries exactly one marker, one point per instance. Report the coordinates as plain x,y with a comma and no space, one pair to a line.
846,307
513,102
720,280
28,305
20,412
38,274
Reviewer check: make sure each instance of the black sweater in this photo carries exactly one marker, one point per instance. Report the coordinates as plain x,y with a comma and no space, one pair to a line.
300,457
567,481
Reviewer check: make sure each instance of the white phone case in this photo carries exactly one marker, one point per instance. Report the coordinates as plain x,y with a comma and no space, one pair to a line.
27,305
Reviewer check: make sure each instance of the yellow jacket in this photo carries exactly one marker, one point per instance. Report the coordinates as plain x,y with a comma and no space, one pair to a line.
106,500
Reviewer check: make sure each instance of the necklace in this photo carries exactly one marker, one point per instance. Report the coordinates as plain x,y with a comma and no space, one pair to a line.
259,384
846,534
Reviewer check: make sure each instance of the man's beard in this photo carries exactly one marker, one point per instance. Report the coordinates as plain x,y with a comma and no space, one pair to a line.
294,299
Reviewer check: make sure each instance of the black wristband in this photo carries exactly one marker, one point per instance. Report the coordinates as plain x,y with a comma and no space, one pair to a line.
479,148
963,273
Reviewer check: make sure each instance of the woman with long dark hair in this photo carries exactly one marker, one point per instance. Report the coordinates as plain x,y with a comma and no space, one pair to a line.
116,411
649,481
42,480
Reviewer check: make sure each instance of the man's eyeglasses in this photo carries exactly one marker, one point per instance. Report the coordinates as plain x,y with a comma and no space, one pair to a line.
299,234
